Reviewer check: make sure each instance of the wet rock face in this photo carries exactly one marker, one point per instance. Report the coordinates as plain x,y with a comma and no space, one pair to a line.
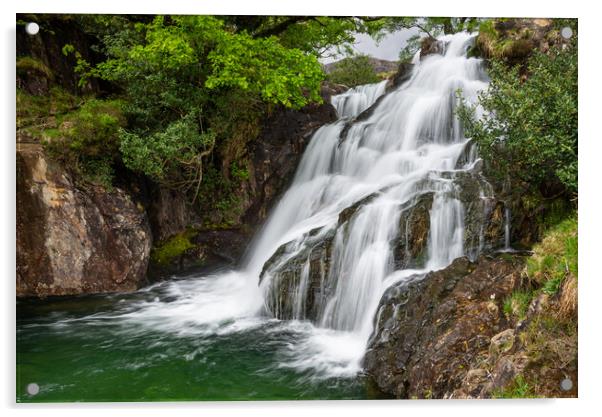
403,74
276,153
169,213
430,46
328,89
484,214
75,241
431,328
414,225
306,272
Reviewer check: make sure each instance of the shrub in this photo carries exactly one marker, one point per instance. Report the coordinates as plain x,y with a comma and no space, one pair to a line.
160,155
528,133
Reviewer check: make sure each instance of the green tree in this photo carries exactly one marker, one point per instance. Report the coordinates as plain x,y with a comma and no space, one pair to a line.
174,72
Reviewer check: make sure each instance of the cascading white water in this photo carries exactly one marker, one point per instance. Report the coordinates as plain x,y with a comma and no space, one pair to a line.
399,152
408,146
357,99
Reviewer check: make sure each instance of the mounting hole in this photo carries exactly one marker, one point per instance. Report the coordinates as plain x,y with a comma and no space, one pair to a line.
566,32
32,28
33,388
566,384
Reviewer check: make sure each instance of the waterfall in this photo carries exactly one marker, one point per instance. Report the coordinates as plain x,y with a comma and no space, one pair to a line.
408,146
330,247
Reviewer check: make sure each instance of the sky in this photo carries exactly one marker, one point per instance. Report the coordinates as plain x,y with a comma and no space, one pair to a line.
388,48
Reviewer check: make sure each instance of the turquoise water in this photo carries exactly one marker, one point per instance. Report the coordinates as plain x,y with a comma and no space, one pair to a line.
101,348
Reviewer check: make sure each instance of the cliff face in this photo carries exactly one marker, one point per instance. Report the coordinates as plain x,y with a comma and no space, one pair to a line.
276,153
72,240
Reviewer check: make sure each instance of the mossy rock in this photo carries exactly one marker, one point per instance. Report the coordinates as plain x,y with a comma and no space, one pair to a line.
173,248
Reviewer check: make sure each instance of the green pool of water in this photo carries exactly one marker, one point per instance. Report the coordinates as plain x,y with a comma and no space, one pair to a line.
90,349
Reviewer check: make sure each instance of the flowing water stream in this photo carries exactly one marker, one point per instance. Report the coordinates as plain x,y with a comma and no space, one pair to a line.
215,336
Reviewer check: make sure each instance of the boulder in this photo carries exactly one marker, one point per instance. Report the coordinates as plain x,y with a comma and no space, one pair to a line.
75,240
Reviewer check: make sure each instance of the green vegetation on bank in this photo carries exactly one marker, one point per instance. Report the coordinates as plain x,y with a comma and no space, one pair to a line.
518,388
554,259
551,270
546,307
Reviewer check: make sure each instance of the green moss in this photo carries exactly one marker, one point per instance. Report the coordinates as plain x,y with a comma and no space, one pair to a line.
172,248
26,64
554,259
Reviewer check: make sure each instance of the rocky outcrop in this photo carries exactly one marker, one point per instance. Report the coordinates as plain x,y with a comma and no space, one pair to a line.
328,89
196,250
431,328
73,240
514,40
403,74
431,46
275,155
299,284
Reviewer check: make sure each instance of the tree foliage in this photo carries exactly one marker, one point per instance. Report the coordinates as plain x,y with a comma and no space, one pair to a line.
528,133
174,72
